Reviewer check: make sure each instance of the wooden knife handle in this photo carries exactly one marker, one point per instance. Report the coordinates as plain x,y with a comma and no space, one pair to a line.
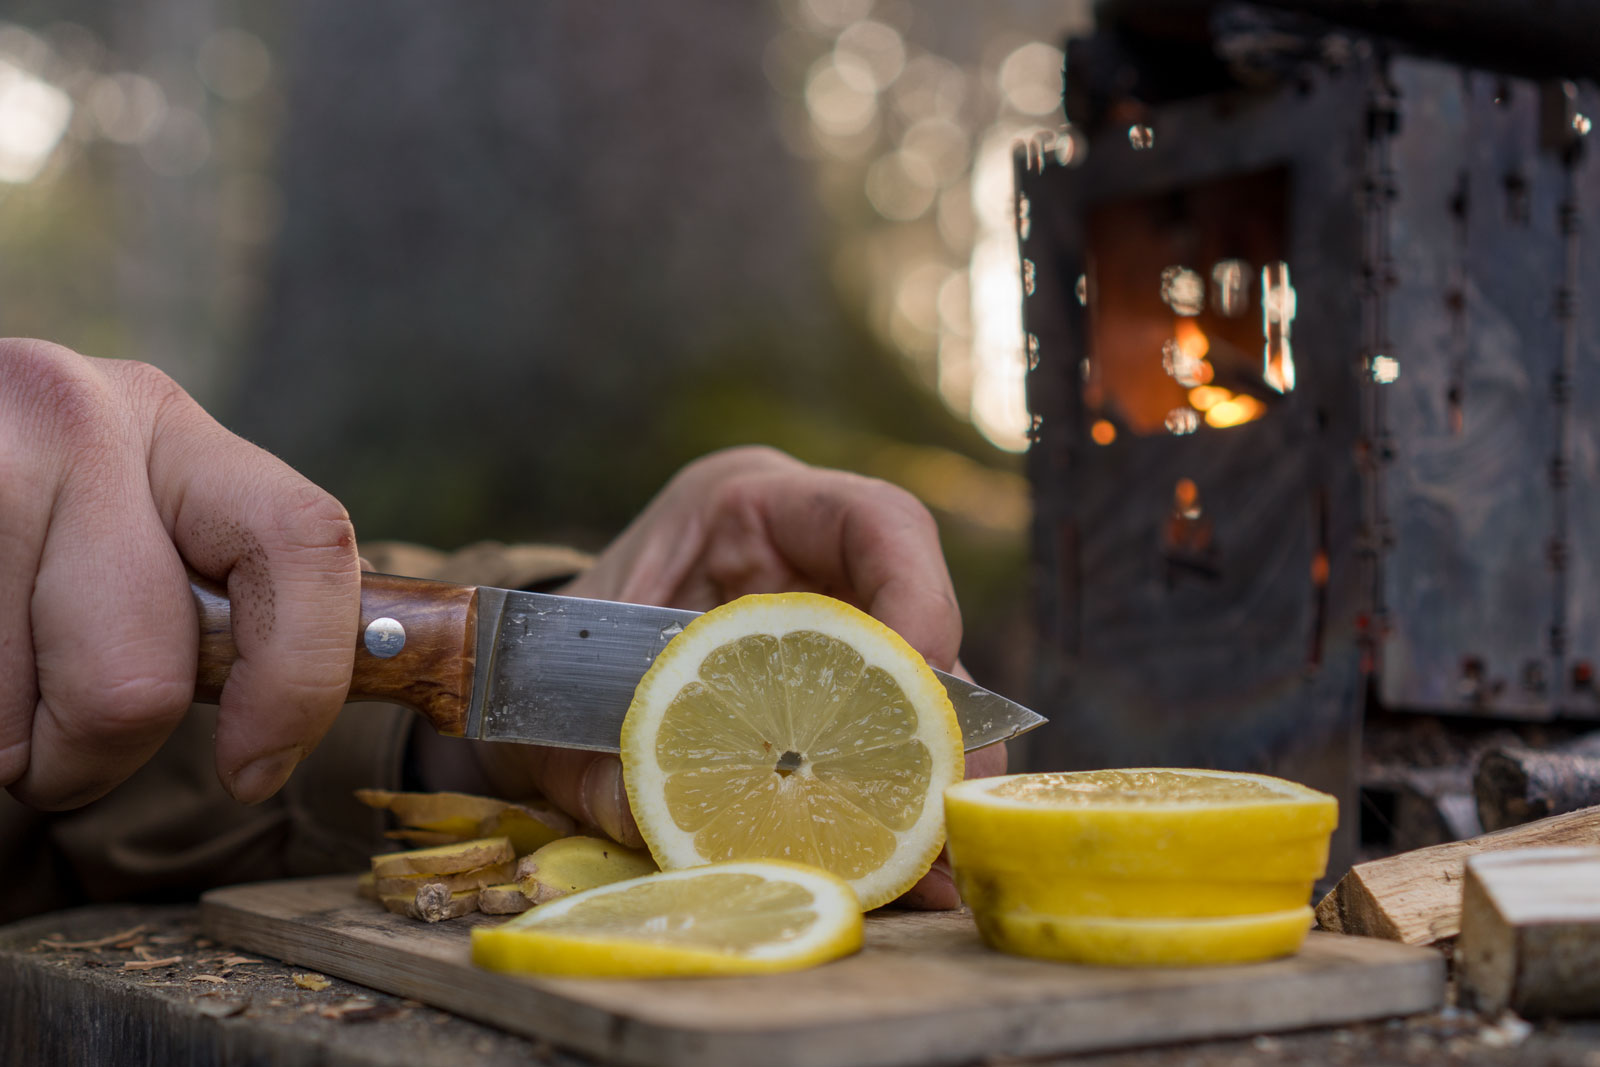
430,673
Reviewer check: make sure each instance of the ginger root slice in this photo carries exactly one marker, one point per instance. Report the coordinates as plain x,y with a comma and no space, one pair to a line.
366,886
464,815
433,903
444,859
529,826
476,878
428,838
573,864
507,899
450,813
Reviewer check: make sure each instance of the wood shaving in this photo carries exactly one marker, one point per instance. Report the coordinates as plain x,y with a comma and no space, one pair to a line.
218,1007
99,942
144,952
238,961
169,939
150,965
208,978
358,1010
314,982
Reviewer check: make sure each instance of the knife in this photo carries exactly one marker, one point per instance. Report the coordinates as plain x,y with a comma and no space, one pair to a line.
537,668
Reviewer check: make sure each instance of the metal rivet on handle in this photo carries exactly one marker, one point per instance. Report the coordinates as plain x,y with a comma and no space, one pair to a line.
385,637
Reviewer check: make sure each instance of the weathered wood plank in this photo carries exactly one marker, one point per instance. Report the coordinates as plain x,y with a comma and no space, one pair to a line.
924,990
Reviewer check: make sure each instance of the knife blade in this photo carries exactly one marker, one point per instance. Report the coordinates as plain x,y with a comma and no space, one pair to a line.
535,668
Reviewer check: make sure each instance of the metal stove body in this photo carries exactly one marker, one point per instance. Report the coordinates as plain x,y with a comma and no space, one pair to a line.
1385,266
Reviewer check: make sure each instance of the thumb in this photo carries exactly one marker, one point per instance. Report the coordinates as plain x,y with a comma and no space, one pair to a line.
586,785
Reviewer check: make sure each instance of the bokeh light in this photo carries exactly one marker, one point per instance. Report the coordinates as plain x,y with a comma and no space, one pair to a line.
923,138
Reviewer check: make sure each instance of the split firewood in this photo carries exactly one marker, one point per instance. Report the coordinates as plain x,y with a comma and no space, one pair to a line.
507,899
1530,932
1514,784
1415,897
444,859
574,864
433,903
477,878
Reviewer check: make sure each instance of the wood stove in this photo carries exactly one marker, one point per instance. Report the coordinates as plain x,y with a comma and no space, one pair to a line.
1314,357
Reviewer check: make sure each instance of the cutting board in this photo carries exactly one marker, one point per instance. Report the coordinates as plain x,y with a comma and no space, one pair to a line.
923,991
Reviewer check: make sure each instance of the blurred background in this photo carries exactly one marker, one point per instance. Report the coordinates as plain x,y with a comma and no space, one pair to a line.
495,271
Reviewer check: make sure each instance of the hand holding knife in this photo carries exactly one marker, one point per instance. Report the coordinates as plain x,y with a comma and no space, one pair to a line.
534,668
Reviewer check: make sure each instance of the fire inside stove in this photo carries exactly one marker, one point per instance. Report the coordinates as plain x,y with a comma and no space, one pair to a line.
1191,308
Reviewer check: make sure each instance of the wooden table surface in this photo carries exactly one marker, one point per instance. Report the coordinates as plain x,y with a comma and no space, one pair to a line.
114,986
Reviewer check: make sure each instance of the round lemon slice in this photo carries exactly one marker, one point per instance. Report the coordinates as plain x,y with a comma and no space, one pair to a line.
793,726
1124,942
1144,823
1147,898
725,918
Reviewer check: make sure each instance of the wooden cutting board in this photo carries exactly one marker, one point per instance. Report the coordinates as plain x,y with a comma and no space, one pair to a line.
923,991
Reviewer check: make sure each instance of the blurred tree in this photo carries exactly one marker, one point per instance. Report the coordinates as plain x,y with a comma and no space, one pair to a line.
521,243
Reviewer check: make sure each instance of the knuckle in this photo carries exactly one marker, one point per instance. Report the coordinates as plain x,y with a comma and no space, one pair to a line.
151,387
310,518
55,390
115,705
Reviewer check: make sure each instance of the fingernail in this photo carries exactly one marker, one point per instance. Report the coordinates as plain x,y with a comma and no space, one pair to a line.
258,780
607,799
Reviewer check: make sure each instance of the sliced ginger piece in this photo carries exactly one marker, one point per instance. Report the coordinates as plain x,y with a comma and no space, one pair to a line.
366,886
468,816
529,826
505,899
444,859
432,902
573,864
428,838
447,813
477,878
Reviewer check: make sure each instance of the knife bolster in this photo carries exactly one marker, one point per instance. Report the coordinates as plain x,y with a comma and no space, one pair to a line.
432,671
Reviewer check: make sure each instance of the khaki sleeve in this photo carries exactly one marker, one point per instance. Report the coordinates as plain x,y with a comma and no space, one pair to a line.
171,830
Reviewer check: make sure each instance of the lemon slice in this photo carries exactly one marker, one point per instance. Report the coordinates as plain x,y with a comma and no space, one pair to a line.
1143,823
793,726
1147,942
726,918
1149,898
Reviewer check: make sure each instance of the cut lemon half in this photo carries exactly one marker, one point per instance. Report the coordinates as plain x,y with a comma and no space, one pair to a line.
1148,942
726,918
1144,823
793,726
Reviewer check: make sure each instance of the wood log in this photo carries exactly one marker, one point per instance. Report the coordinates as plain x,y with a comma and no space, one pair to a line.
1515,784
1530,932
1415,897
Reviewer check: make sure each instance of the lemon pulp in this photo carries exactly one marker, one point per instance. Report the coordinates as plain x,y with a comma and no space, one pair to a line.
795,727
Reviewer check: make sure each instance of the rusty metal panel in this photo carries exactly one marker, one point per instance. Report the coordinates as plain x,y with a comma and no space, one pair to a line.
1489,553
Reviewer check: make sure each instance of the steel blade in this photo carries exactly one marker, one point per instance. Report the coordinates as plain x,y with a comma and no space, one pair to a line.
557,670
